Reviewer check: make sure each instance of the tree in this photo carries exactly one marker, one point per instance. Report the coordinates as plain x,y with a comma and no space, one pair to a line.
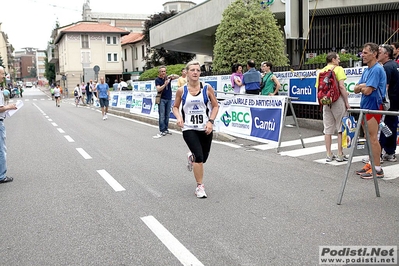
248,31
157,57
49,72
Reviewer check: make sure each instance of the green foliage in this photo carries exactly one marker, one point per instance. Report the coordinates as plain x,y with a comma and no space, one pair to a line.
321,58
152,73
157,57
49,72
247,31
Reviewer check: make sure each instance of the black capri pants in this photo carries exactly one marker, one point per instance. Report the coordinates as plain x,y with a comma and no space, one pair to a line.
199,144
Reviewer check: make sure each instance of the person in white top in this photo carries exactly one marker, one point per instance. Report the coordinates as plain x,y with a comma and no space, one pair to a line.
198,113
122,85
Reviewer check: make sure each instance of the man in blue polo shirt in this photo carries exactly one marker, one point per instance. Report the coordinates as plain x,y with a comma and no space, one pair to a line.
252,79
372,85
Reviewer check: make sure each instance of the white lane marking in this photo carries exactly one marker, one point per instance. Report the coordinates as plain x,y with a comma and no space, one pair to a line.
54,124
291,143
83,153
26,100
60,130
307,151
174,245
49,119
110,180
355,159
34,99
391,171
69,139
227,144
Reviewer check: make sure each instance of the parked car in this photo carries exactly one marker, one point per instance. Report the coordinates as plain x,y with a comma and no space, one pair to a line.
28,84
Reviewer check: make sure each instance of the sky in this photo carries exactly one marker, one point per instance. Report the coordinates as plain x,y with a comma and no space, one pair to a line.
29,23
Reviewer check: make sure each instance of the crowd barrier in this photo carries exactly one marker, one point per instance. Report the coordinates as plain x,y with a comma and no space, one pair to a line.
254,117
362,121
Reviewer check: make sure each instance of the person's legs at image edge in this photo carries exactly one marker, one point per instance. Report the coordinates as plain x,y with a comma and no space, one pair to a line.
3,151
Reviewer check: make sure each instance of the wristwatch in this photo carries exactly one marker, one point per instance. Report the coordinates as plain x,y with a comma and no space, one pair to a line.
212,121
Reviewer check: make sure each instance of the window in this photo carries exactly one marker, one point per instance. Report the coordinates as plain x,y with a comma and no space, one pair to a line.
142,51
112,57
85,41
135,53
125,50
111,40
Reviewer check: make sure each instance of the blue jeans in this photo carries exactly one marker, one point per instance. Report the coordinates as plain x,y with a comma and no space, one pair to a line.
3,151
88,98
164,114
389,144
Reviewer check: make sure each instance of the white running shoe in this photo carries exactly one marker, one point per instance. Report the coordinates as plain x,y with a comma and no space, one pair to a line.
190,160
200,191
104,117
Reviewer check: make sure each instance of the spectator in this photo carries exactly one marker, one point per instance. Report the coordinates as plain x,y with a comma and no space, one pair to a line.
182,80
78,94
391,67
6,94
89,93
197,133
163,85
252,79
343,51
236,78
395,46
3,149
116,85
122,85
270,83
333,114
372,85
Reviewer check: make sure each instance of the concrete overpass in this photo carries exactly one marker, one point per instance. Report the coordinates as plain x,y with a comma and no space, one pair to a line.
193,31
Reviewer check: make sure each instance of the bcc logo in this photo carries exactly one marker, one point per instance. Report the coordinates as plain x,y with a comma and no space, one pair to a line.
240,117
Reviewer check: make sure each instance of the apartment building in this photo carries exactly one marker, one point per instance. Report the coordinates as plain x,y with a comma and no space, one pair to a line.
81,47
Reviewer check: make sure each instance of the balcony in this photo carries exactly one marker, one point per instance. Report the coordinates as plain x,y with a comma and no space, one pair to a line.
52,54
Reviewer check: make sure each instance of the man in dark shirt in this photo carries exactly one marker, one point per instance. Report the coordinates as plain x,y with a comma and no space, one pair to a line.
391,68
163,85
252,79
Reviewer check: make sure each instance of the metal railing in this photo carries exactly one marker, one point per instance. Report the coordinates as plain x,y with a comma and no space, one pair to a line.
362,120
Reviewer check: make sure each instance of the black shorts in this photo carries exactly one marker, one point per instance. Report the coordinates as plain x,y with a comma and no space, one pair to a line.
199,144
104,102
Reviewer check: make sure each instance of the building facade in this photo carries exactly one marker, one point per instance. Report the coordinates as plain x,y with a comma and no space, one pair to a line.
127,21
336,24
133,55
81,48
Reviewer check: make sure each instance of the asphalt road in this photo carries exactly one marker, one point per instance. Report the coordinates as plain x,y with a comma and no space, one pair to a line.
94,192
